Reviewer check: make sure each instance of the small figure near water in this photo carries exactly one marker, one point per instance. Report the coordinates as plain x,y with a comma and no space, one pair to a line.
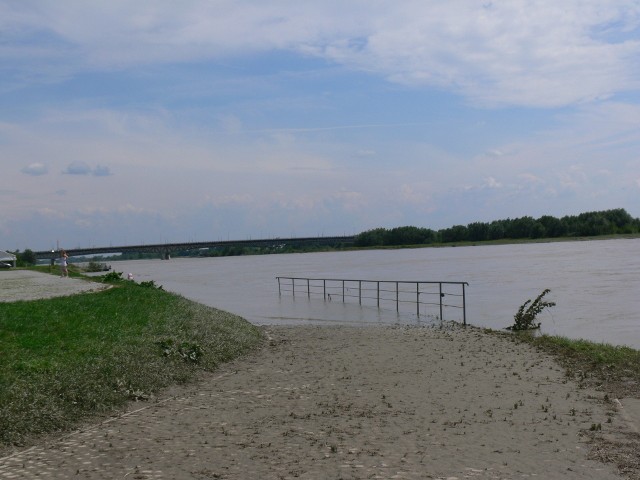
64,272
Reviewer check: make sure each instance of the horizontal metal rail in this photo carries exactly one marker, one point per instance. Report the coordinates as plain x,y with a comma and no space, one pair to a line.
383,292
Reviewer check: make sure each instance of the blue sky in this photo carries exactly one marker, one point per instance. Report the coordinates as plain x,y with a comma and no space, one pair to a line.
157,121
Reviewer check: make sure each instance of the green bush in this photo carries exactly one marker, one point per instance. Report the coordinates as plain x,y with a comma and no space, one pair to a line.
112,277
525,318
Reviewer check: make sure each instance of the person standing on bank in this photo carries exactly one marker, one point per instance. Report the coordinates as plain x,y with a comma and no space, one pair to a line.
64,272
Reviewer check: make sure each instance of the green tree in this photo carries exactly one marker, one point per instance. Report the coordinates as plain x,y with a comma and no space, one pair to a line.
457,233
496,230
553,226
408,236
26,258
371,238
478,231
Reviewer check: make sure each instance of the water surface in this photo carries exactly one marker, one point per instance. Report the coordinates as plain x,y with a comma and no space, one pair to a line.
596,284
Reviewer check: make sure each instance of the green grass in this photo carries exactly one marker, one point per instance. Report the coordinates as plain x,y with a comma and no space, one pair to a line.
63,360
613,370
609,368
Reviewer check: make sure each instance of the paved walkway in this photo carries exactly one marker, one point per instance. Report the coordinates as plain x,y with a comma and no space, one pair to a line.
349,403
29,285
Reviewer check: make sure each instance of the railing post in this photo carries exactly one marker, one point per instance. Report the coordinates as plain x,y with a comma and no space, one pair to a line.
418,292
464,307
397,298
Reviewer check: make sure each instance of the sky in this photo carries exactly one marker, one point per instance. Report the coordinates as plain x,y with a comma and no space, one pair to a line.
159,121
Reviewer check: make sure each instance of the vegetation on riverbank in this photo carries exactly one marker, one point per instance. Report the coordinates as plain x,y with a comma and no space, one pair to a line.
588,224
612,369
66,359
616,223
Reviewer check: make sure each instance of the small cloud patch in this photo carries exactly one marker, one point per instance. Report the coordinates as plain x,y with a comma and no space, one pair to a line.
35,169
78,168
365,153
82,168
101,171
491,182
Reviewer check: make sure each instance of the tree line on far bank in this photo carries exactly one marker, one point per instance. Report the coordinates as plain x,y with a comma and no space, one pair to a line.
607,222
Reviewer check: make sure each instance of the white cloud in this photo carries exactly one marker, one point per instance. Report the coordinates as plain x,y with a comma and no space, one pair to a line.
496,153
35,169
351,201
531,178
83,168
299,159
491,182
225,200
78,168
366,153
535,53
101,171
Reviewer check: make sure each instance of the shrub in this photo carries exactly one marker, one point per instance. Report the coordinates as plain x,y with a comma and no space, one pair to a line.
94,267
112,277
150,284
528,312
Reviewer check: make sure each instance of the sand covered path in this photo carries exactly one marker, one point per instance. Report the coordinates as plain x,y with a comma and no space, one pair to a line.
19,284
349,403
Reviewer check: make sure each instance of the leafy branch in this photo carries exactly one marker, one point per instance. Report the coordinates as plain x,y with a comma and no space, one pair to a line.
528,311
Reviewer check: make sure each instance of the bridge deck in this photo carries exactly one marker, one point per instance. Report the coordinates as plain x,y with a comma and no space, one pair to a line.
165,248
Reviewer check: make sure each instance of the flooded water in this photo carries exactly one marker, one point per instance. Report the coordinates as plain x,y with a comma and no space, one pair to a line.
595,284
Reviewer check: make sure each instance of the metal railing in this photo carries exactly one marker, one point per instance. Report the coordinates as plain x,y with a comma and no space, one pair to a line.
383,292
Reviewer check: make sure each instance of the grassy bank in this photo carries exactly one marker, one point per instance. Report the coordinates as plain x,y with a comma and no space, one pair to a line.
66,359
612,369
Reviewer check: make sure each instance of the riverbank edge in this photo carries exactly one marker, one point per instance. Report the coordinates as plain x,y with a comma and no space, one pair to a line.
502,241
48,396
592,367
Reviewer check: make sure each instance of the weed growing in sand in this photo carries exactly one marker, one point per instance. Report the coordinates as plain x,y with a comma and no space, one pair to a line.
525,318
189,352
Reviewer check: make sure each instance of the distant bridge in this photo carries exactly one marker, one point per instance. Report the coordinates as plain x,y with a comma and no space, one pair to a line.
164,250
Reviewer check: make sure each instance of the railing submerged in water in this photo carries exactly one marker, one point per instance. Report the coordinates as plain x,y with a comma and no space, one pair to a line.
384,292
